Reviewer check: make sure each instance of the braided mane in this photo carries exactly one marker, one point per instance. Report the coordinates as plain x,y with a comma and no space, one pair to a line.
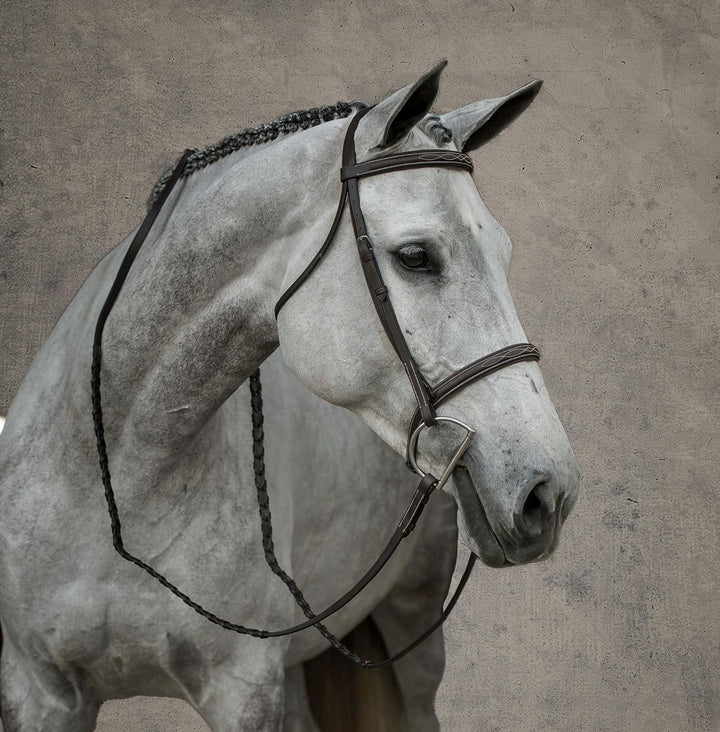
300,120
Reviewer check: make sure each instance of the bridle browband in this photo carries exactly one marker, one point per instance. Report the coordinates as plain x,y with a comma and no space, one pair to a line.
426,396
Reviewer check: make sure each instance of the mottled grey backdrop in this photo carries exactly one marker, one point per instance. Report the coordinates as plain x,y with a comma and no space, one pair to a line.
609,188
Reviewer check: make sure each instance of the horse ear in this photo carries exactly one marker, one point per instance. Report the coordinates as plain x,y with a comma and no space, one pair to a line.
393,118
477,123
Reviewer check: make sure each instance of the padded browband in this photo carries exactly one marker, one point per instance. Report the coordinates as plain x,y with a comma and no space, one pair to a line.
406,160
477,370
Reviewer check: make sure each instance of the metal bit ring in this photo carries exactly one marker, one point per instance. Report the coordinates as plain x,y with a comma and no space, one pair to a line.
413,443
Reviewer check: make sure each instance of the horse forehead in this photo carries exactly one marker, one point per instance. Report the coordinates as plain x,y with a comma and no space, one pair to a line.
442,198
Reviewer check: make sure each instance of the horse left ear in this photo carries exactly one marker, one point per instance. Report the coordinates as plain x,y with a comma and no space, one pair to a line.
392,119
477,123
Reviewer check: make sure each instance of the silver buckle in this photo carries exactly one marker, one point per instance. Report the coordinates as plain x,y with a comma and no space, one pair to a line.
413,442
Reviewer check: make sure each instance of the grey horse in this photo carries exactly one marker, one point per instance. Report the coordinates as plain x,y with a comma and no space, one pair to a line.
194,320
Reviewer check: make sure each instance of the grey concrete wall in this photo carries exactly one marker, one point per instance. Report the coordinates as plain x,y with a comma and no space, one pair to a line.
609,188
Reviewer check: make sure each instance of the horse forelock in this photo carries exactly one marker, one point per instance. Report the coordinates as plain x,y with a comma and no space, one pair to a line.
435,129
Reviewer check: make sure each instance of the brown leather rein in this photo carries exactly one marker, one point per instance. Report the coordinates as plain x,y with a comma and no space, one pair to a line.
426,396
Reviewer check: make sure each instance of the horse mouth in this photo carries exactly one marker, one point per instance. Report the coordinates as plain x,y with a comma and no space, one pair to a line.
473,525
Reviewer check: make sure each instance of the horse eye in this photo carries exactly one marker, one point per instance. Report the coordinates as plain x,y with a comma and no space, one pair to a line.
414,257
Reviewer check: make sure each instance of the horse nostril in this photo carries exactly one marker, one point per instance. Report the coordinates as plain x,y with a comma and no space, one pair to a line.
536,513
533,504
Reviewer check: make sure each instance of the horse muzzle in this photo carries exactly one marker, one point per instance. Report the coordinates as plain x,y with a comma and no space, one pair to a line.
528,533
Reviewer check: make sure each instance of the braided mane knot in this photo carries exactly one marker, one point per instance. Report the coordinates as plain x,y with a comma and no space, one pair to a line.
289,123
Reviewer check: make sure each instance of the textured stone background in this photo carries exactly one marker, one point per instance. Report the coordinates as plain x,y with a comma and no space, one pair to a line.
609,188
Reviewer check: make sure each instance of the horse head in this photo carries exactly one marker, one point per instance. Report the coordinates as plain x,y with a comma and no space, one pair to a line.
444,260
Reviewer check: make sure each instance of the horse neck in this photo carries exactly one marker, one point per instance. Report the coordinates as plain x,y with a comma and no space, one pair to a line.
195,317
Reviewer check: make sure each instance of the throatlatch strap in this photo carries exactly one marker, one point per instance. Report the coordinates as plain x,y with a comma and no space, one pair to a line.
320,253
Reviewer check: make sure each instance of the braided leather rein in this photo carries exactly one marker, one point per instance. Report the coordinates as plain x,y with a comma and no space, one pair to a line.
426,396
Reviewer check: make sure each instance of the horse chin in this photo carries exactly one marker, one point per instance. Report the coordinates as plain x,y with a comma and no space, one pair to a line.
473,525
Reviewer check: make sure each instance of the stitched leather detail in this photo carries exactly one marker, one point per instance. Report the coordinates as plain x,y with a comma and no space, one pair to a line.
402,161
488,364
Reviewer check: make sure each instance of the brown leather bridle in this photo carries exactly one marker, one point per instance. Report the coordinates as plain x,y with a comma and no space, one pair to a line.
428,397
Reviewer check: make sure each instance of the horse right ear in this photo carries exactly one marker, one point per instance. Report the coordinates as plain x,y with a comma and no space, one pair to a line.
392,119
479,122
